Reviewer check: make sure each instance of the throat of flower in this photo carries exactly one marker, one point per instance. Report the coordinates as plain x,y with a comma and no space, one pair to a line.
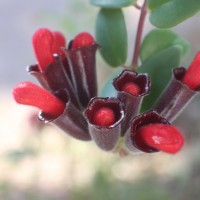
30,94
162,137
104,117
131,88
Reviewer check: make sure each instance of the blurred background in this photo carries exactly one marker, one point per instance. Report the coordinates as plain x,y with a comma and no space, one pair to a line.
41,163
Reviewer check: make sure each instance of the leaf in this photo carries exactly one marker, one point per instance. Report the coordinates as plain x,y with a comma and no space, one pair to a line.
152,4
159,67
112,36
112,3
185,46
174,12
159,40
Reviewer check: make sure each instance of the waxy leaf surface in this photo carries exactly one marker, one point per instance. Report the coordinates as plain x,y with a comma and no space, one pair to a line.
112,36
152,4
159,40
171,13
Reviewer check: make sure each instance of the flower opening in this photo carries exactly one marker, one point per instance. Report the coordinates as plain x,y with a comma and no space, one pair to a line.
161,137
104,117
131,88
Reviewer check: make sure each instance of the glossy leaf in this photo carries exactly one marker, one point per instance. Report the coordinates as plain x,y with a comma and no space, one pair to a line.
159,67
159,40
174,12
185,46
112,36
112,3
152,4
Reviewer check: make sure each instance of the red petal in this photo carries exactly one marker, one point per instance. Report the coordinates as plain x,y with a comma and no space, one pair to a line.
104,117
131,88
82,39
161,137
192,76
30,94
42,44
45,44
59,41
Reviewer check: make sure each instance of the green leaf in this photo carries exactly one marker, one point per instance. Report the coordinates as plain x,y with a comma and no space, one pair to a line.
112,3
158,40
174,12
185,46
152,4
159,67
112,36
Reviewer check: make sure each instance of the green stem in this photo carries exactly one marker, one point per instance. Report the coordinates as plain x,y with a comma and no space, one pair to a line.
143,13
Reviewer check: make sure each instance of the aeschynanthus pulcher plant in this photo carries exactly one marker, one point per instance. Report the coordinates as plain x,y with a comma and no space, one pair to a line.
140,116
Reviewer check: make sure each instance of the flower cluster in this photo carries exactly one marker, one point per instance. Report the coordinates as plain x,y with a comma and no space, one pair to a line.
69,99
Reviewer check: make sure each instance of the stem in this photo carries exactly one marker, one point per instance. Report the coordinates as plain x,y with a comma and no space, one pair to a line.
143,13
120,149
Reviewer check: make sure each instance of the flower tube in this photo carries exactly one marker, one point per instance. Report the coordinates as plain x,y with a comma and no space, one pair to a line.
176,96
104,117
152,133
73,69
131,88
54,77
183,87
71,121
52,70
82,66
56,109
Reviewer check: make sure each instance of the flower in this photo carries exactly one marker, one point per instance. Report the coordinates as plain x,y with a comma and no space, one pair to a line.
152,133
178,94
63,73
46,43
68,97
192,75
131,88
105,130
30,94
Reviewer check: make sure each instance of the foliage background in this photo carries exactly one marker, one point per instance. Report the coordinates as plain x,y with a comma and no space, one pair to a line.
39,163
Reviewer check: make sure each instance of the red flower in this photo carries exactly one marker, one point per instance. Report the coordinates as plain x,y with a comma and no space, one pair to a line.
104,117
68,76
162,137
30,94
45,44
150,132
192,75
82,40
68,100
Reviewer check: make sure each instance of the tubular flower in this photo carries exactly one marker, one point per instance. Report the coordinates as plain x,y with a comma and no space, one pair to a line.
63,73
183,87
152,133
104,117
131,89
68,98
30,94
